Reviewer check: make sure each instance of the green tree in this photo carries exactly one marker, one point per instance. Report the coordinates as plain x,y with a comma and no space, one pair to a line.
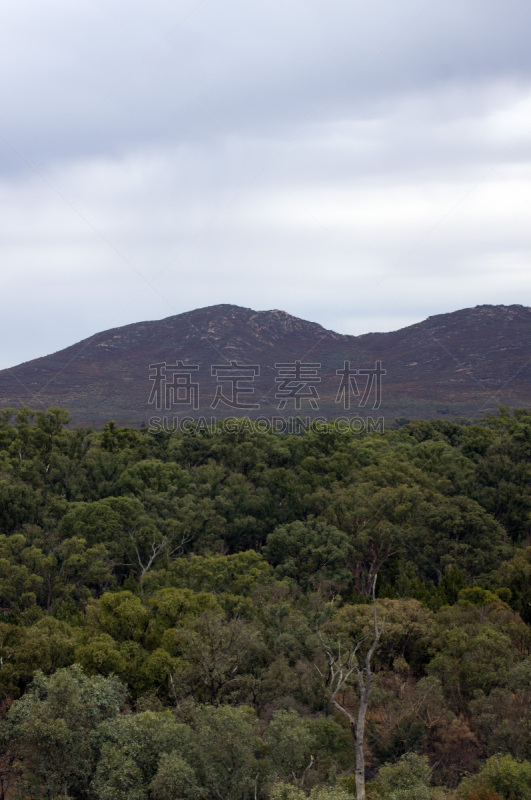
53,727
510,778
218,653
289,740
304,551
132,751
516,575
343,664
227,750
175,778
408,779
474,645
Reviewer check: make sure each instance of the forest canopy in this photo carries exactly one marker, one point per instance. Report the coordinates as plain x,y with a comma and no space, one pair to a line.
168,600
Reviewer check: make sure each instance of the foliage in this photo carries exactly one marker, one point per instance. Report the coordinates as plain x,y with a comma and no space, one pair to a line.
407,779
505,775
165,600
52,727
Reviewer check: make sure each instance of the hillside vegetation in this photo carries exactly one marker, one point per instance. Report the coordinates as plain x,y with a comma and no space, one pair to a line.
449,365
170,602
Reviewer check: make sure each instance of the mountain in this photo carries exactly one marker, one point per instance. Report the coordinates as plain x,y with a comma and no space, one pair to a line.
459,364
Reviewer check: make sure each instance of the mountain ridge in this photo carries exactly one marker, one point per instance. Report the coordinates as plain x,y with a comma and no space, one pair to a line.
446,364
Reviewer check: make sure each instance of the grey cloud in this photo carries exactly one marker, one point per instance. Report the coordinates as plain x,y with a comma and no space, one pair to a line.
331,158
107,78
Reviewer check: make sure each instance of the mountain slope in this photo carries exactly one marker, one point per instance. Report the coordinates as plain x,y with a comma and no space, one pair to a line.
462,363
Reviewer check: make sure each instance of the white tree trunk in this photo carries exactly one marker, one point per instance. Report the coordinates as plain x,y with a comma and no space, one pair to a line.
341,667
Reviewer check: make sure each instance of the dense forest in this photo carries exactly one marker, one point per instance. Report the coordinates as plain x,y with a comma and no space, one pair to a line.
196,615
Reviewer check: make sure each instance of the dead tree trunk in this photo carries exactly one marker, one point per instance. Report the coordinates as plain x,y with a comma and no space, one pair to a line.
341,666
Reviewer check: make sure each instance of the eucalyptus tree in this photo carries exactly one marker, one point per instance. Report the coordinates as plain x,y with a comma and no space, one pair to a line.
343,664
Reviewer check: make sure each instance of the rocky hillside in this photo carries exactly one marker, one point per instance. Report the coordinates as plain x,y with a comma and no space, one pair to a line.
462,363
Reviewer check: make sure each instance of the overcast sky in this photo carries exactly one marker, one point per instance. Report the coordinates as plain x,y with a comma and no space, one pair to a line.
359,164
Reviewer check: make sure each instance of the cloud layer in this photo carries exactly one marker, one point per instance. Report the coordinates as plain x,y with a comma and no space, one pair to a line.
360,165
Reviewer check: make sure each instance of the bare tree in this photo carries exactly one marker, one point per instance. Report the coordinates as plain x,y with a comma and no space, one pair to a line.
144,560
341,666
